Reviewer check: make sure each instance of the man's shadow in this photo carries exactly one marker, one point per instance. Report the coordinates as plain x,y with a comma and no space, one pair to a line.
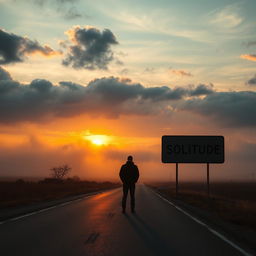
150,237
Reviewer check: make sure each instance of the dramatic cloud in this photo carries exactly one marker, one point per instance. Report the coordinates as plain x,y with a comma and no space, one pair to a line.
14,48
109,97
228,108
202,89
90,48
251,57
4,75
252,81
180,72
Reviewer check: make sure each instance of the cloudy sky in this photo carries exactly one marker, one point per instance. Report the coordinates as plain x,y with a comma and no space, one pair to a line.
89,82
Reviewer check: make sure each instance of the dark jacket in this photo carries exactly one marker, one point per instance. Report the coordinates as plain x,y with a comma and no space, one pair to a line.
129,173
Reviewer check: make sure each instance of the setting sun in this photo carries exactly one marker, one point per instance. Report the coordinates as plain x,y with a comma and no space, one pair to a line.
98,140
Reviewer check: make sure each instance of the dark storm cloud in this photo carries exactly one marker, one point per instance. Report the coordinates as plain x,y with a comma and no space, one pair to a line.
41,85
14,48
252,81
228,108
114,89
109,97
164,93
4,75
202,89
90,48
6,82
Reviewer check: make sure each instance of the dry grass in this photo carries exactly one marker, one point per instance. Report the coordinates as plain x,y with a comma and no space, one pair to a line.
24,193
233,202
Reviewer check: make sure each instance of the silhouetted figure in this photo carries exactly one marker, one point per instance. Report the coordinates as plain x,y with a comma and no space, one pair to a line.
129,174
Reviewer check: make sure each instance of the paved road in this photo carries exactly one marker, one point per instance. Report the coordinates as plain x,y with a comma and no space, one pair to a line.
95,226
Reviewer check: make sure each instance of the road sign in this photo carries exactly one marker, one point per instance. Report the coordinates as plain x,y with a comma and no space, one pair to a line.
192,149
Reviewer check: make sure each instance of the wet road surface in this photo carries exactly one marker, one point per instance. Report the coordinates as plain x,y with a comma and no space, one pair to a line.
95,226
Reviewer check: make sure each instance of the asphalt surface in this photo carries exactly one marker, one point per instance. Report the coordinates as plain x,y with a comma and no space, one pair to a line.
95,226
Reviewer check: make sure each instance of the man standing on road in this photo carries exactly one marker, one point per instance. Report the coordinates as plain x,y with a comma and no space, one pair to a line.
129,174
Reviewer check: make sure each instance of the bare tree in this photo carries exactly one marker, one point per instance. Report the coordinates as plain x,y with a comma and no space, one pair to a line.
60,172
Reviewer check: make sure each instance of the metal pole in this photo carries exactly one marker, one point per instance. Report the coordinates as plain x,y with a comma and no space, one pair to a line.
208,181
177,179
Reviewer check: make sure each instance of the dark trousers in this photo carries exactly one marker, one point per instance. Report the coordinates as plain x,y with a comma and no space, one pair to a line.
126,188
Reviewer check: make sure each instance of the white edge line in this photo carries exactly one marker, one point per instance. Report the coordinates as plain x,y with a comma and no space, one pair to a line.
48,208
216,233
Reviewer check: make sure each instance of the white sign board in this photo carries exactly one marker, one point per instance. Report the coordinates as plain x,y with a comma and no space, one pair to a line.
193,149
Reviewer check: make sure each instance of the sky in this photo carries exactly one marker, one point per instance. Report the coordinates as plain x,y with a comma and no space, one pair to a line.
88,83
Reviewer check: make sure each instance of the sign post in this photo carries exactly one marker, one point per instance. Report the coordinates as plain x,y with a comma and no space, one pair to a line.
193,149
177,179
208,181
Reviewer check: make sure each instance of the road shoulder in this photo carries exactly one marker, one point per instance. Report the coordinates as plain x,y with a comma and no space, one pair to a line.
243,237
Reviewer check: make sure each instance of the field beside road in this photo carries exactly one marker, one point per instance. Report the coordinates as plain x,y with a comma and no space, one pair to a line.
234,202
21,193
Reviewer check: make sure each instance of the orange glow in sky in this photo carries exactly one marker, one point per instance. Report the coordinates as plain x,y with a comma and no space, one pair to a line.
98,140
